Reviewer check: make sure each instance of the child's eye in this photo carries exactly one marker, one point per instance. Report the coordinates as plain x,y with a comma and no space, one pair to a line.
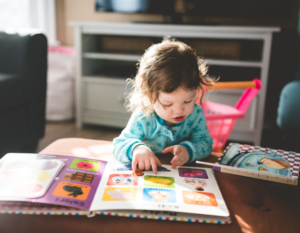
169,105
186,102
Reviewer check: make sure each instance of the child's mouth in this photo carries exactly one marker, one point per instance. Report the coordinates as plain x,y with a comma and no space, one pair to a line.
179,119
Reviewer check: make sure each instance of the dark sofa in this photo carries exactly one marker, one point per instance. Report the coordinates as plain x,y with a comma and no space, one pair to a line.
23,80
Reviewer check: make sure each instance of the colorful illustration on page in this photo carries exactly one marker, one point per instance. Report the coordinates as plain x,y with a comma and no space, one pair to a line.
197,184
197,198
85,164
72,190
122,179
159,181
192,173
119,194
258,159
159,195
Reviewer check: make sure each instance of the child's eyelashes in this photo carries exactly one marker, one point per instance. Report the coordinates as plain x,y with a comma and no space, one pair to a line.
169,105
186,102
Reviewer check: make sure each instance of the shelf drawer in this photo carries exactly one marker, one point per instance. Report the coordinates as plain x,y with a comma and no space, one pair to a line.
106,118
105,95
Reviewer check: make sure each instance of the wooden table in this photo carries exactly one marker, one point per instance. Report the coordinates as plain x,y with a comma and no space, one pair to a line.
254,205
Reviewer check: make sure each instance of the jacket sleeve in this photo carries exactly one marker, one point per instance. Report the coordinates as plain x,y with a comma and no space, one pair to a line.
130,138
200,142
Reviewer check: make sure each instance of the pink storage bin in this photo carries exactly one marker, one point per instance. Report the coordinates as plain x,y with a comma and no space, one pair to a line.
60,104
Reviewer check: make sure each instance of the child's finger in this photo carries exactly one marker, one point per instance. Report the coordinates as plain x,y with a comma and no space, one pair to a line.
157,161
168,149
177,162
177,150
174,160
174,165
147,164
154,166
133,165
141,165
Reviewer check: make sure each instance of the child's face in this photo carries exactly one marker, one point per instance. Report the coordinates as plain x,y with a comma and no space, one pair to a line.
272,163
174,107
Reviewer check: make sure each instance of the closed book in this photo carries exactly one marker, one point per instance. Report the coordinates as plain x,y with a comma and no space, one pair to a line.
259,162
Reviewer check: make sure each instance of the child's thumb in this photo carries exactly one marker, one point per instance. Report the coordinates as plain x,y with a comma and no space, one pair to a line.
177,150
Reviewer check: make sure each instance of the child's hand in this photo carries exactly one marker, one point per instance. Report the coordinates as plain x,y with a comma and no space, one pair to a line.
181,155
144,157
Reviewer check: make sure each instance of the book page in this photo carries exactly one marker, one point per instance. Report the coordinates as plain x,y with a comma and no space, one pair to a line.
92,184
184,189
24,176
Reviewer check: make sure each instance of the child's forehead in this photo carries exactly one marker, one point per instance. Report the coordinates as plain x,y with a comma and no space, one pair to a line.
179,92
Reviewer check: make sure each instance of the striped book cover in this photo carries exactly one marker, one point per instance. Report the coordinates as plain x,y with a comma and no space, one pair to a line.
261,163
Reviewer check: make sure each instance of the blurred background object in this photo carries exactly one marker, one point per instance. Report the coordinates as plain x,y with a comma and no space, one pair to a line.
61,84
202,12
52,17
23,78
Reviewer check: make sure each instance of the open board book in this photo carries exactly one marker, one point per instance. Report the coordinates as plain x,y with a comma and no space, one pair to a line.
258,162
57,184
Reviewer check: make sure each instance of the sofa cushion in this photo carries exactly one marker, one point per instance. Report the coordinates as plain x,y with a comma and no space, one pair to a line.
12,52
13,91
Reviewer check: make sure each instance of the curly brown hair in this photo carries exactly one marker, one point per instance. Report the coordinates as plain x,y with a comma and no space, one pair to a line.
165,67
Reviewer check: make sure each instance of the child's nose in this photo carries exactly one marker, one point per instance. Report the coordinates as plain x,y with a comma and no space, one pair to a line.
178,109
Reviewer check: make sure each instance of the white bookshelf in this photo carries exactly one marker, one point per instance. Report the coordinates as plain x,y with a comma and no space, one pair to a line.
129,57
100,97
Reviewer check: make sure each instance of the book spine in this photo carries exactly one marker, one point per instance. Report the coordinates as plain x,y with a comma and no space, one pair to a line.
155,215
152,215
44,212
261,175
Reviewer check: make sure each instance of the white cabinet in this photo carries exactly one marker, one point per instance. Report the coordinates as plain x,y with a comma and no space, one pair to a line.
103,101
101,74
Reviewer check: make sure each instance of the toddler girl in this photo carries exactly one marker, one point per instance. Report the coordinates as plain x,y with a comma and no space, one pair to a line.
165,117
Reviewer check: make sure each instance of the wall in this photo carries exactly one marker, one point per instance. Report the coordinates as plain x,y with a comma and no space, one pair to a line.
79,10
